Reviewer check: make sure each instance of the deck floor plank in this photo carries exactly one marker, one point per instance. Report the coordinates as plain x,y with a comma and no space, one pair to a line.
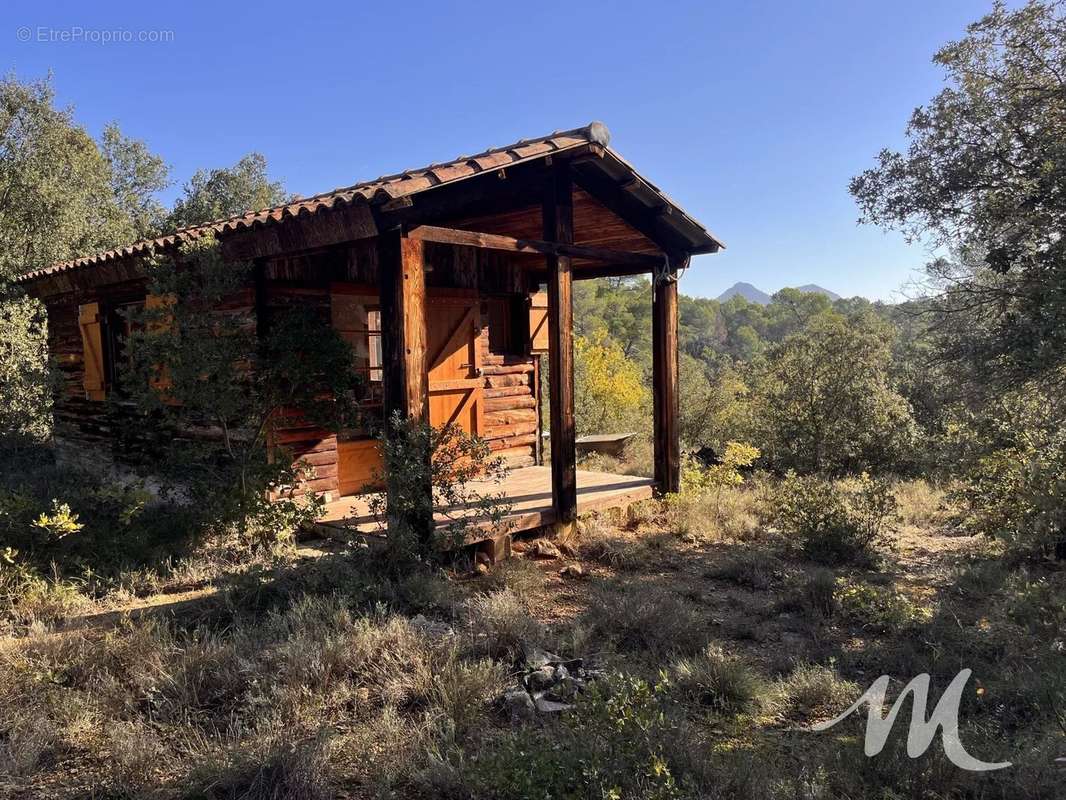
528,490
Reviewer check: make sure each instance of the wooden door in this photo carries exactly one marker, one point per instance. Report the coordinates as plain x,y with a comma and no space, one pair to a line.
453,360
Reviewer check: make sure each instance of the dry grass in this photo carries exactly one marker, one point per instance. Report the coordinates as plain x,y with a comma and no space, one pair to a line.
921,504
499,625
720,681
606,545
646,619
326,679
813,692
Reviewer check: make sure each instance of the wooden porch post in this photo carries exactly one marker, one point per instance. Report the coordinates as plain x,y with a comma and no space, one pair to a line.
402,286
558,213
402,283
665,380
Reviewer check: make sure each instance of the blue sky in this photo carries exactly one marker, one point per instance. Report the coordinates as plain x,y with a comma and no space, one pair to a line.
753,116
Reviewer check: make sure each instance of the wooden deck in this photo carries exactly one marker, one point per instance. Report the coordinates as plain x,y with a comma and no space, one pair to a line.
528,491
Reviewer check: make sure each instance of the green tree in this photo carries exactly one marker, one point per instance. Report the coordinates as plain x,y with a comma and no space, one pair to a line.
825,403
25,380
985,175
1011,458
205,373
57,200
610,395
226,192
137,175
62,195
714,405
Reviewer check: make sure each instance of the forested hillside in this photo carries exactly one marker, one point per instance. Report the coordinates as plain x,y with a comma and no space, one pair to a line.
815,384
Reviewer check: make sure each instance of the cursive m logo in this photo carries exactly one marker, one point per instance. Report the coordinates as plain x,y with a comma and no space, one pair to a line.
944,717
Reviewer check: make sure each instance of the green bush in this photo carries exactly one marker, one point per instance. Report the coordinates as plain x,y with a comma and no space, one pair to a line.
879,609
836,522
195,367
611,745
431,496
1013,471
67,534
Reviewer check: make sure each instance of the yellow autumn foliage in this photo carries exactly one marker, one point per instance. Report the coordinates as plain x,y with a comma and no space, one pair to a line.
610,395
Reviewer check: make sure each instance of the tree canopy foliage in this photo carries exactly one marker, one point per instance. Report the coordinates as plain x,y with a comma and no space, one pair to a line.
985,175
226,192
64,194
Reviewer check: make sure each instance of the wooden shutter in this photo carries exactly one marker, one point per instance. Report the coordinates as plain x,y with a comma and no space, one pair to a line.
92,345
538,322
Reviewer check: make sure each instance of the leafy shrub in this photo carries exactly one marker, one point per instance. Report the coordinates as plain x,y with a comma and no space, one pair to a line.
1038,604
58,522
194,367
726,473
718,680
67,534
836,523
25,379
879,608
612,745
1013,477
431,471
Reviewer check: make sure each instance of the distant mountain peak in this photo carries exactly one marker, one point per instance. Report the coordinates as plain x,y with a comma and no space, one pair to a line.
755,295
747,291
816,289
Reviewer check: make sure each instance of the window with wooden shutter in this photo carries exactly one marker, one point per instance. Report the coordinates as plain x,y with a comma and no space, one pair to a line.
92,343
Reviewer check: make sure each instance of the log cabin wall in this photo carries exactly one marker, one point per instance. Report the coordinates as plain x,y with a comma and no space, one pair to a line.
96,429
511,422
92,427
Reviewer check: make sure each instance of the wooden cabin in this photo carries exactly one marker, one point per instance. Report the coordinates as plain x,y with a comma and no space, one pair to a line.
451,282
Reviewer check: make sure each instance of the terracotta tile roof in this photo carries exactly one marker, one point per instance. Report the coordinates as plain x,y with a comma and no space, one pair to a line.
383,189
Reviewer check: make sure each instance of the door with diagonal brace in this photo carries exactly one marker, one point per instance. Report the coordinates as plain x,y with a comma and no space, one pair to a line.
453,360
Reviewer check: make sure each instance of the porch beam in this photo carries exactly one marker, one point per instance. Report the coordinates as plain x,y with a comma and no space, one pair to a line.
665,381
558,217
492,241
589,273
